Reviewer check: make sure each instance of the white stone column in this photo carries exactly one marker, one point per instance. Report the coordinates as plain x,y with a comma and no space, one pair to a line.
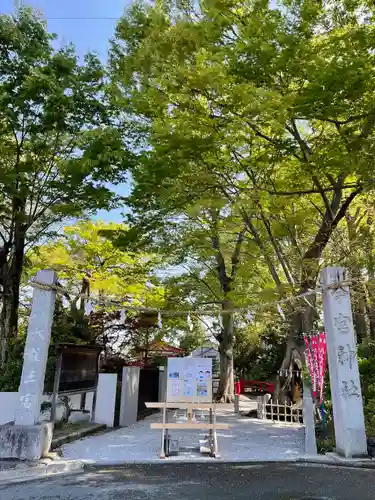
106,399
36,351
343,365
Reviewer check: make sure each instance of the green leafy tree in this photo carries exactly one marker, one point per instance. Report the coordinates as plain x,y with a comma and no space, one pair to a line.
59,146
258,127
94,272
259,350
90,265
193,339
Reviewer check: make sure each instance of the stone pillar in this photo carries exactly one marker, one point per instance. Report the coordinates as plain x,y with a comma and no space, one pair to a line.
129,395
106,399
236,403
28,439
162,384
309,422
36,351
343,365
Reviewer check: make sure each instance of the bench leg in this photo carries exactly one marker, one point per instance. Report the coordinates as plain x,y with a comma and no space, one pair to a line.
162,451
216,450
211,437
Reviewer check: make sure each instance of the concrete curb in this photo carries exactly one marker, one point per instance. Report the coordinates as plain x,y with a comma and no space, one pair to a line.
44,470
40,471
320,460
337,460
77,434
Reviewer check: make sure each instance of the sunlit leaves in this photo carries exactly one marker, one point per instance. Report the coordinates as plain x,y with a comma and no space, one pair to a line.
84,252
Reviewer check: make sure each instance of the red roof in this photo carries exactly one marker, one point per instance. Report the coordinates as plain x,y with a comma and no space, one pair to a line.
159,347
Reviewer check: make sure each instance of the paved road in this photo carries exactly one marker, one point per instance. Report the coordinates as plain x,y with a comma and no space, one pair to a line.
202,482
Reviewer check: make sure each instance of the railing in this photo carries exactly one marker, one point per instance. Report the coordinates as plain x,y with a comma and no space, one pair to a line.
277,412
243,386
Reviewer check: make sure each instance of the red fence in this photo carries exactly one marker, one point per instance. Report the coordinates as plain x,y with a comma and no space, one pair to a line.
248,386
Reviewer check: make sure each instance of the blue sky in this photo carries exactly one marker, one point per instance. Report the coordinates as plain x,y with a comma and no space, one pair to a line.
88,24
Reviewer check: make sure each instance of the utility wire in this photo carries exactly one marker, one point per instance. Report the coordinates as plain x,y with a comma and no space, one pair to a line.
208,312
82,18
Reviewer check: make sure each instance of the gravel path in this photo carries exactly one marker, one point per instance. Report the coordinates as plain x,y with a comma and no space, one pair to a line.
247,439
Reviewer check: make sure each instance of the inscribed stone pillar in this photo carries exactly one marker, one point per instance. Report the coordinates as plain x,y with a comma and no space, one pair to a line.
343,365
36,351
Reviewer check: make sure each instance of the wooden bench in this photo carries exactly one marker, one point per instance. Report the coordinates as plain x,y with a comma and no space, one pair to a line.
212,426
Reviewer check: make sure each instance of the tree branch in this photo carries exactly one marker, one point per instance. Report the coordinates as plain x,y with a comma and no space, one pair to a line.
276,247
304,147
201,280
257,239
307,191
221,267
236,254
327,227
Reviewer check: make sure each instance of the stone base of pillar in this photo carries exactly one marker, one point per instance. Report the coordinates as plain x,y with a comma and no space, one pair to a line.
309,422
355,446
25,442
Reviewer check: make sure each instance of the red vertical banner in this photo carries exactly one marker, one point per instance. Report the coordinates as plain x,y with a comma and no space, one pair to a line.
322,362
309,361
315,358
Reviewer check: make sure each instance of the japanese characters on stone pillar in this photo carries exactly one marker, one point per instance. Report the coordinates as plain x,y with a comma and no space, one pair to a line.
343,365
36,350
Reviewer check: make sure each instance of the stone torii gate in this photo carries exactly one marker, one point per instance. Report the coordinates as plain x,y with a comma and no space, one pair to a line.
29,439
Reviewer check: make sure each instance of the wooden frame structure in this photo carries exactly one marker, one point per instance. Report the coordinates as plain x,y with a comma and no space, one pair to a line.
279,413
212,426
80,386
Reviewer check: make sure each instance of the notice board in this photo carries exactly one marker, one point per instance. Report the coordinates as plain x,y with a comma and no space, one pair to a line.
79,370
189,380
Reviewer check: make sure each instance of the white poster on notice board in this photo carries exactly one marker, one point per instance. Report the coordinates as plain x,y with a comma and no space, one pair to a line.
189,380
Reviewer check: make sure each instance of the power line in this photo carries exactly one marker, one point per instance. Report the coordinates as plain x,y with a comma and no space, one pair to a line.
19,3
194,312
83,18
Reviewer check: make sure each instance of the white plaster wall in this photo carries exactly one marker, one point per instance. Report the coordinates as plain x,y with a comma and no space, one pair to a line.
8,401
106,399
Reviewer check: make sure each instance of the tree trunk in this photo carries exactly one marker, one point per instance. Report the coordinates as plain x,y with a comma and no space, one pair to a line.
12,280
359,314
4,282
5,318
10,302
370,287
302,321
371,305
225,391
